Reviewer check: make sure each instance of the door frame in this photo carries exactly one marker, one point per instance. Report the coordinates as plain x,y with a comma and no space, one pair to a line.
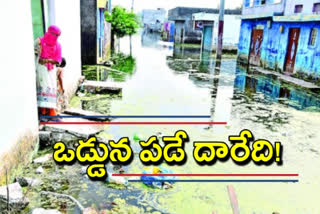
287,52
251,42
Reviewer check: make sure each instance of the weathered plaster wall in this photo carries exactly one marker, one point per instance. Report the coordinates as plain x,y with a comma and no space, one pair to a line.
244,40
18,81
307,6
70,41
274,46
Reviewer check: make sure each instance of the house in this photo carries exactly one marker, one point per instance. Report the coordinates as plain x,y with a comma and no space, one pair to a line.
19,121
168,31
204,22
95,31
282,35
184,24
153,20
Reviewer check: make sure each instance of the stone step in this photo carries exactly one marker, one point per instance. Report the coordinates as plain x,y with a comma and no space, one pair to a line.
289,79
102,87
17,201
53,133
81,112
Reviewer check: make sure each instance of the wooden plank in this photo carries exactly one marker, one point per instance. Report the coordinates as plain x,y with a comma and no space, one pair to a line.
81,112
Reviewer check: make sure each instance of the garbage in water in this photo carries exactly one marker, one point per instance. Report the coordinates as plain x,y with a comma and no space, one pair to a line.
116,180
161,182
137,137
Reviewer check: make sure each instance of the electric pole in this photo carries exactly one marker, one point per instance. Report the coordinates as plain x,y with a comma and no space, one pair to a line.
220,31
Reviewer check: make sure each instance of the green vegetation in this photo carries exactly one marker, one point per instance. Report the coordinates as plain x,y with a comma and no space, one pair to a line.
123,63
123,23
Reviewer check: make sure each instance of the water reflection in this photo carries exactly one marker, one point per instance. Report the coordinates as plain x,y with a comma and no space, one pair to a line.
222,94
149,39
239,90
190,59
251,82
187,82
122,69
200,67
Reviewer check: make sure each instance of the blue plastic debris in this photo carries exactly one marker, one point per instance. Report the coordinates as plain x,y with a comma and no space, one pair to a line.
157,181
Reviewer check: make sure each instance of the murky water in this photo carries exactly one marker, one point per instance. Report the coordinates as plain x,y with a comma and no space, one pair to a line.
178,81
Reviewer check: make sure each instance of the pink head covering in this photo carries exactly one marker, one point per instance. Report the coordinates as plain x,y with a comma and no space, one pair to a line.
50,48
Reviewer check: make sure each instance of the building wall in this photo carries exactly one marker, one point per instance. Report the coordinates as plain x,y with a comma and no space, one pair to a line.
37,19
107,40
95,32
307,6
179,25
19,118
184,14
207,38
275,44
151,16
230,34
70,41
251,7
88,31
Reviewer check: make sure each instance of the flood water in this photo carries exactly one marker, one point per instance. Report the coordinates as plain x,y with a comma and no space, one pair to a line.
180,81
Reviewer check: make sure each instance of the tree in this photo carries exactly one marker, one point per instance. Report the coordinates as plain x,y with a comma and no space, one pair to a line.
123,23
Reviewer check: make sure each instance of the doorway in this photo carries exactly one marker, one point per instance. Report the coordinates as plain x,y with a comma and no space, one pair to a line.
294,35
255,47
182,35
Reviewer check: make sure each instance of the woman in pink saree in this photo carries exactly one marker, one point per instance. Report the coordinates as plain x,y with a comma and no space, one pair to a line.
48,52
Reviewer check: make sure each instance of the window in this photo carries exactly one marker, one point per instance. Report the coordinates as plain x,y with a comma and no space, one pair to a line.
263,2
316,8
248,3
313,36
298,8
277,1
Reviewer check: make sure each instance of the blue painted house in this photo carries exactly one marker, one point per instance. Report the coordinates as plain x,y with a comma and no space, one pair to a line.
282,35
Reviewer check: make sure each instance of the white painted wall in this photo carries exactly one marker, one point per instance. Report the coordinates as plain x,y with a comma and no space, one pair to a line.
18,110
230,34
18,78
68,19
307,6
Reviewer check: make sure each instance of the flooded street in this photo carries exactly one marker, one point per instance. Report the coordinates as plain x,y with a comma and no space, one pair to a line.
178,81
